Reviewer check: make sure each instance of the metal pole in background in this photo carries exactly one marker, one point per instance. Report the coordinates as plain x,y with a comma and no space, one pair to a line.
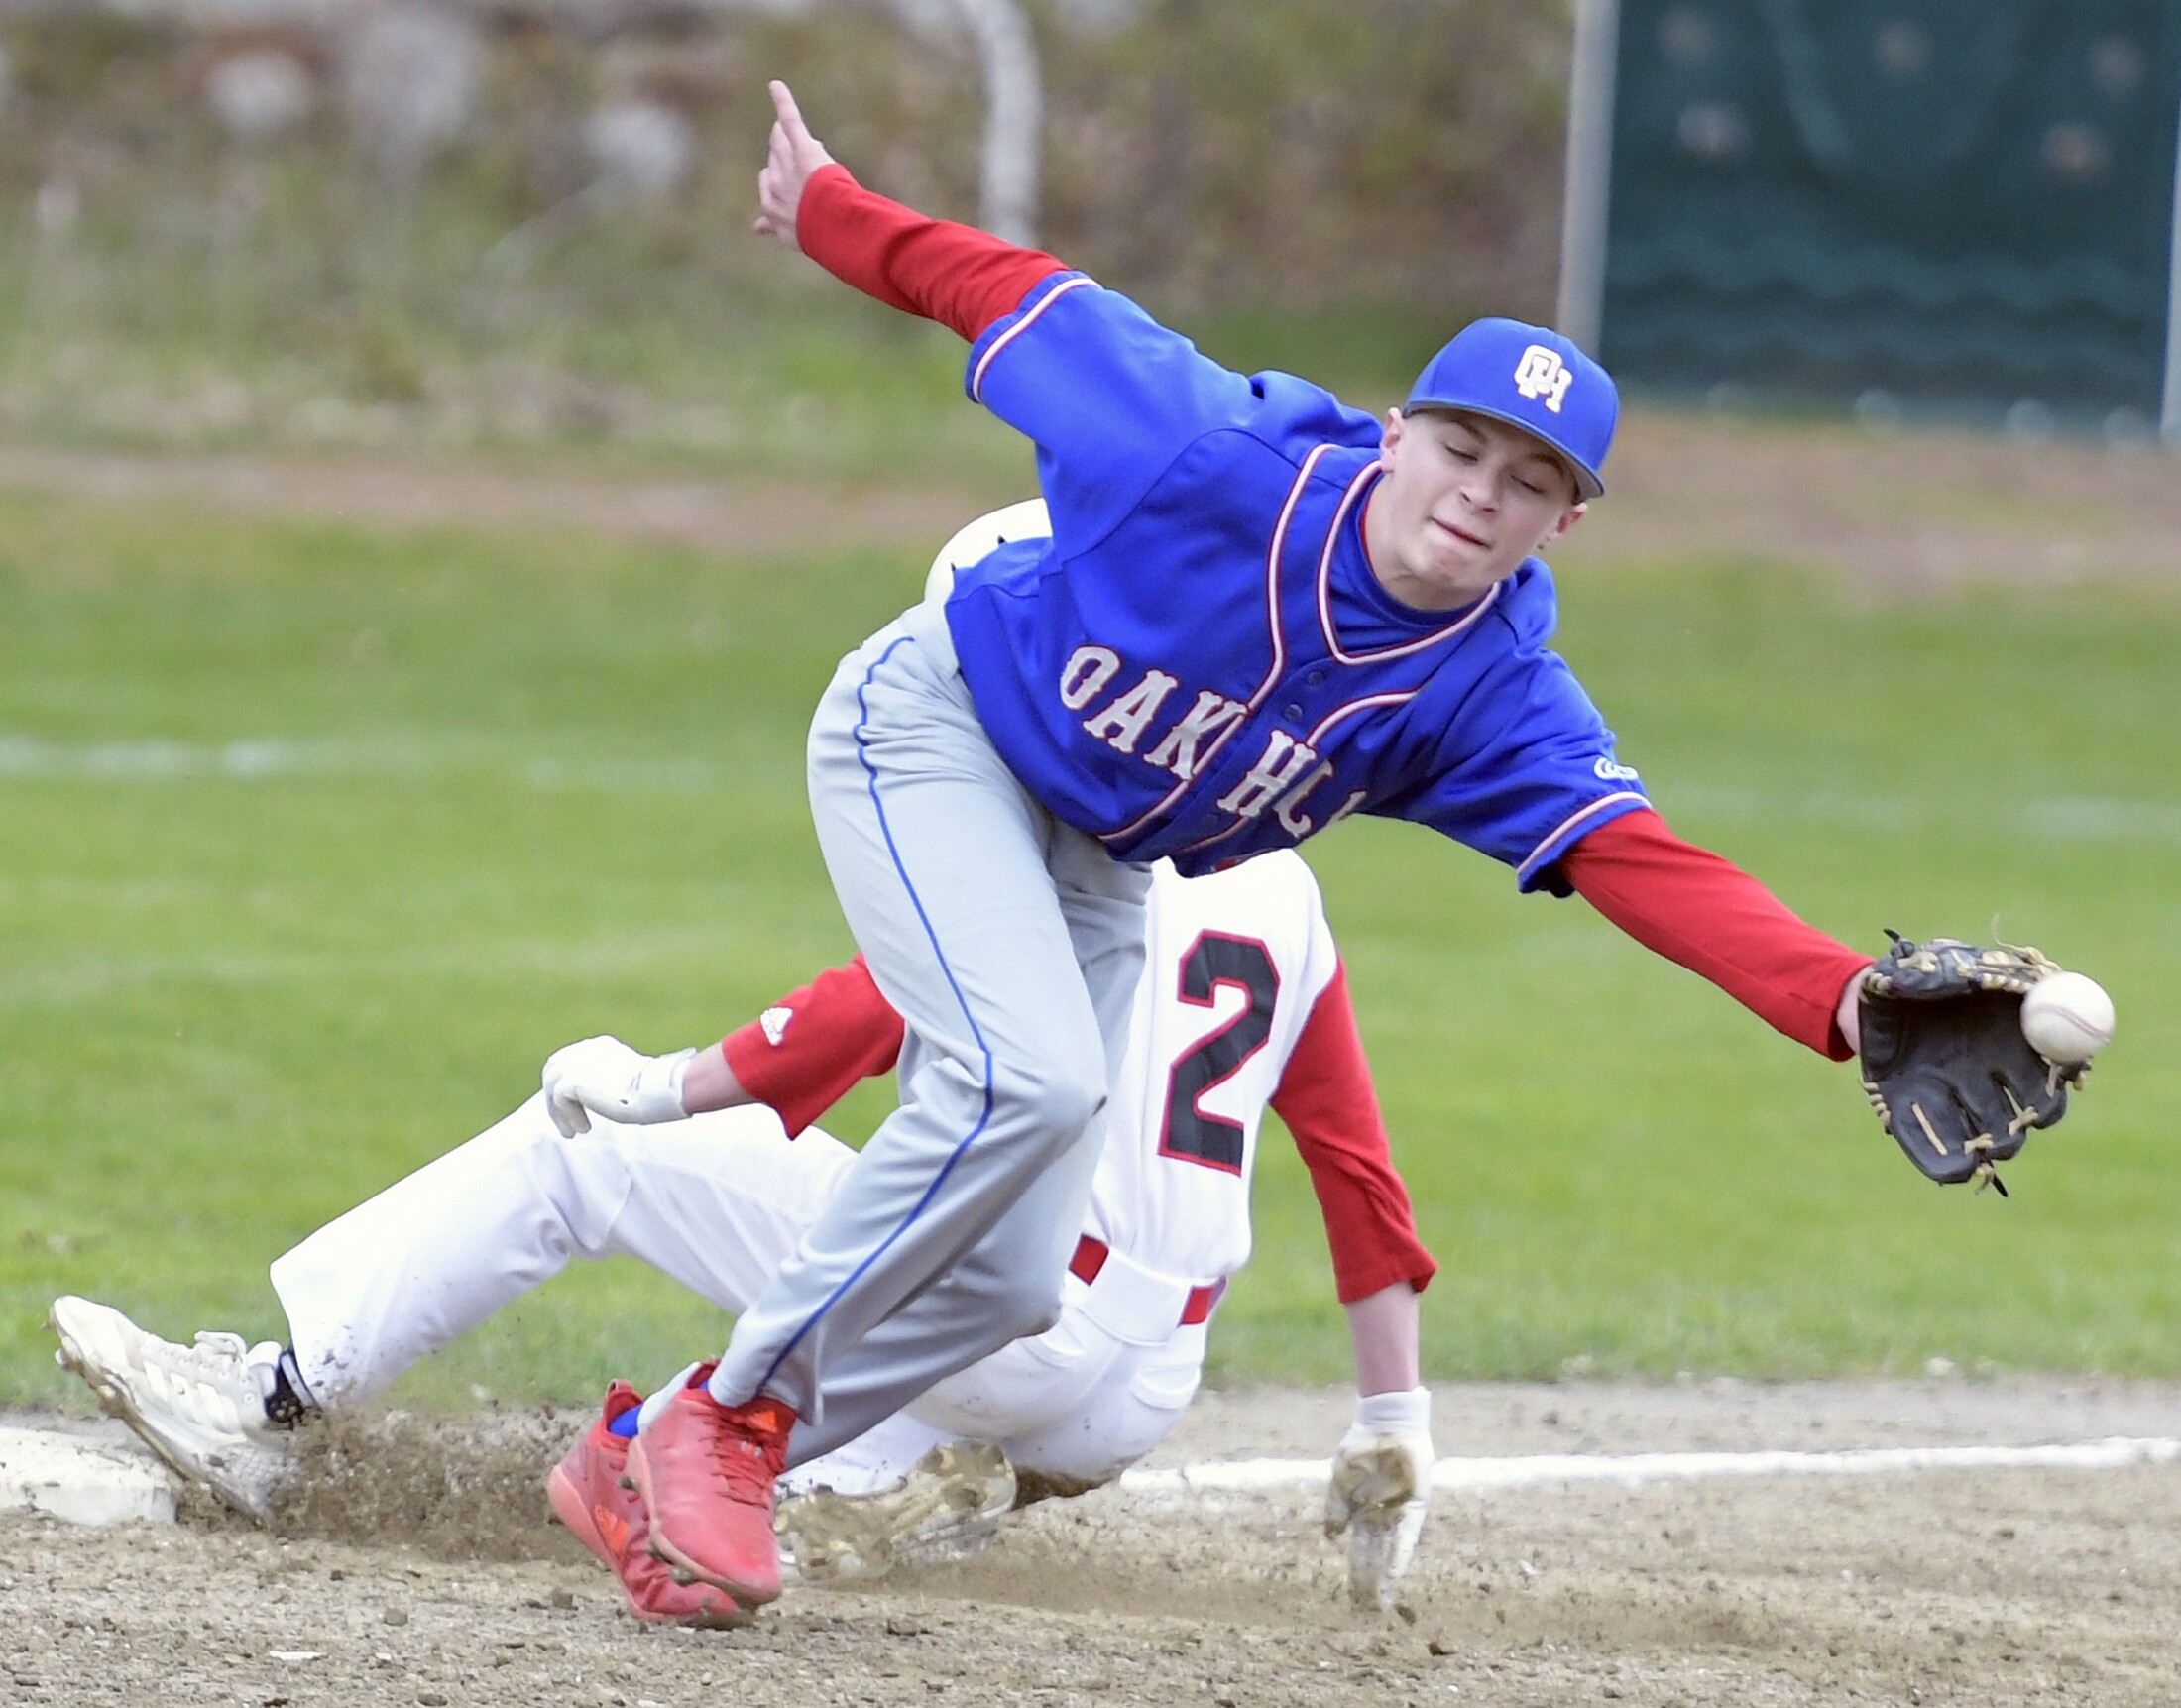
2169,415
1589,175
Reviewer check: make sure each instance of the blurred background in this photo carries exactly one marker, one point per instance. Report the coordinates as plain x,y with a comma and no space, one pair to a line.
515,221
427,516
507,224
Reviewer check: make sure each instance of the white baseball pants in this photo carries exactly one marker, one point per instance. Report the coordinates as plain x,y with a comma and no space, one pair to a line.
717,1203
1011,946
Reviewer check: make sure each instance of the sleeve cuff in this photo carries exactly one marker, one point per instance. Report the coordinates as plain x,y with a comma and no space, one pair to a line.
1543,858
1006,330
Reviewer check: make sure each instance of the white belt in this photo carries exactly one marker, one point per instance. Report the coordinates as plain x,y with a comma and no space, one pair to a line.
1138,1307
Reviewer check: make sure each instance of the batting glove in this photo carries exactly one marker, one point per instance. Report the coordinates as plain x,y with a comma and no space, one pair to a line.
1381,1491
605,1076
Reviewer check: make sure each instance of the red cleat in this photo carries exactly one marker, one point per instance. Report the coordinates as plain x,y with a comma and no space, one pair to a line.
705,1472
588,1495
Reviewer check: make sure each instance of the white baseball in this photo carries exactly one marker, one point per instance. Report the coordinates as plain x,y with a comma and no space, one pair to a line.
2067,1018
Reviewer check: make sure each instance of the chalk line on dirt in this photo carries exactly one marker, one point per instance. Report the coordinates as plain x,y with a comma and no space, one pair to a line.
1529,1470
93,1482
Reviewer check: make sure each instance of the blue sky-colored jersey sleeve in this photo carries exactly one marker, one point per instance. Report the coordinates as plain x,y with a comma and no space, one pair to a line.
1544,778
1109,395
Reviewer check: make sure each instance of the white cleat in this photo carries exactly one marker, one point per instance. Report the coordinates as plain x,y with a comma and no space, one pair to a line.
200,1408
951,1505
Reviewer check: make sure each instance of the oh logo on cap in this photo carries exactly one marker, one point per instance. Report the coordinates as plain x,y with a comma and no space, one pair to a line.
1541,374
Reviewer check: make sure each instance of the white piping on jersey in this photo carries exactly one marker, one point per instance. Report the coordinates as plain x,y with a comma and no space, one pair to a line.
1341,713
1324,593
1279,650
976,380
1572,821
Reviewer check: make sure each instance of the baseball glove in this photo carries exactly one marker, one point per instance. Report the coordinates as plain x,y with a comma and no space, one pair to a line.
1944,1058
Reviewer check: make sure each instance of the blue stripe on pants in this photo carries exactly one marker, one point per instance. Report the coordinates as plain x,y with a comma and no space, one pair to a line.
985,1114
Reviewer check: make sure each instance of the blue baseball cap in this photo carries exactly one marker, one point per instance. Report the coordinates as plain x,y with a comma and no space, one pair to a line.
1532,377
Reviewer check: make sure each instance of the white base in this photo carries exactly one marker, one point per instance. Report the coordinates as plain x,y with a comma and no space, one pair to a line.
81,1481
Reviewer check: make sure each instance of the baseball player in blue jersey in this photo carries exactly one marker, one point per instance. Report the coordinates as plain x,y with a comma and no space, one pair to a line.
1258,611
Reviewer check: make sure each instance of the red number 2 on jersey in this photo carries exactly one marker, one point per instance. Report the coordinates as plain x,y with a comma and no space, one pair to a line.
1242,964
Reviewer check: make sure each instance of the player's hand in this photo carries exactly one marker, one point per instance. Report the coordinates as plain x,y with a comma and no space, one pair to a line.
792,154
605,1076
1381,1492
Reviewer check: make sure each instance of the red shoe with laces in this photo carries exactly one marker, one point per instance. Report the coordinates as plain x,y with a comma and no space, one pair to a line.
586,1494
705,1472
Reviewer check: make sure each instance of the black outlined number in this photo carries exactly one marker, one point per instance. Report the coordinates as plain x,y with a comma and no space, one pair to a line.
1246,965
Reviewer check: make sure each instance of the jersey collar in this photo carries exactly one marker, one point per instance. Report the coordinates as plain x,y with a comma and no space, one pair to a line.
1345,531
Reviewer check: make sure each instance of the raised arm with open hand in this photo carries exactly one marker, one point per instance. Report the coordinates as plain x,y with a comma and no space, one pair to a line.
791,156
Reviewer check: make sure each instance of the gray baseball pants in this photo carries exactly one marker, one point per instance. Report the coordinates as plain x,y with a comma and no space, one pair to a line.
1011,944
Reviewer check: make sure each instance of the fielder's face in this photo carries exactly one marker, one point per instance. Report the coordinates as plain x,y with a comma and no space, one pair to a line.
1465,499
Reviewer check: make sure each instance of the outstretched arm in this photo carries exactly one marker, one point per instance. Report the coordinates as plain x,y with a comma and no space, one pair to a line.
1692,907
800,1056
804,1053
962,278
1109,396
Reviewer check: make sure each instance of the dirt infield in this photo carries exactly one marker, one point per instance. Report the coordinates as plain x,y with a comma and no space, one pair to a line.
1997,1588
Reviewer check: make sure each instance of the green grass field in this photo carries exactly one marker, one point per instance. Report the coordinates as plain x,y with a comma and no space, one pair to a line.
315,839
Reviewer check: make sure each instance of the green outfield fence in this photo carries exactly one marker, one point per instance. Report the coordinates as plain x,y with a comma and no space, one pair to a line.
1954,208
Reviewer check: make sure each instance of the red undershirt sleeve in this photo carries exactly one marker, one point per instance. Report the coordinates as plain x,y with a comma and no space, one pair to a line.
955,275
1328,1102
806,1050
1692,907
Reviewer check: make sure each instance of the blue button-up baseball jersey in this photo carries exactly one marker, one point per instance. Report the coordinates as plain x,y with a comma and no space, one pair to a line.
1200,663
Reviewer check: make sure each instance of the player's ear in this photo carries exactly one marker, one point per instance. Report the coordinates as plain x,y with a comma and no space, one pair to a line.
1390,438
1566,525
